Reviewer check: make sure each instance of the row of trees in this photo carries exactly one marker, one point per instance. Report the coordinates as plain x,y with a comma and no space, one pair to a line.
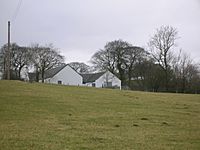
158,68
119,57
36,57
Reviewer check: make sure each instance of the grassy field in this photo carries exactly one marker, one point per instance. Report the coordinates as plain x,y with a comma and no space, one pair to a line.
56,117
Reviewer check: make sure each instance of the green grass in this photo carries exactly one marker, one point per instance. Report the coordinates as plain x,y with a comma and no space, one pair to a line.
53,117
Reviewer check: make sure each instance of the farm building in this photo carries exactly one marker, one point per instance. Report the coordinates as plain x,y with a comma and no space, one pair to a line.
60,75
101,80
66,75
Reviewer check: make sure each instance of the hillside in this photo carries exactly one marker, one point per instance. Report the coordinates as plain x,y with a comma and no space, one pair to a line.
43,116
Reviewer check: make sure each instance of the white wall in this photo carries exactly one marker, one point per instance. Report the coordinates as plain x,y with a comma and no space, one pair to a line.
24,74
68,76
108,77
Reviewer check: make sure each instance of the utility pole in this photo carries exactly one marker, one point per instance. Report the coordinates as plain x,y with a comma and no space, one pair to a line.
8,54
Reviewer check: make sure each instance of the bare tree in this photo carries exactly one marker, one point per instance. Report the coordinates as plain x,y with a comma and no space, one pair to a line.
133,55
3,60
161,44
194,78
80,67
112,58
44,58
185,72
103,60
20,58
147,75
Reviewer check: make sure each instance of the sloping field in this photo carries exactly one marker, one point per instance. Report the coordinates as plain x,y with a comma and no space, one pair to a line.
53,117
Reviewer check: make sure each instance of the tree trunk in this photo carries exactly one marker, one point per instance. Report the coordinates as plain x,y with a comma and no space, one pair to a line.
183,85
37,74
166,80
121,73
129,78
19,72
42,75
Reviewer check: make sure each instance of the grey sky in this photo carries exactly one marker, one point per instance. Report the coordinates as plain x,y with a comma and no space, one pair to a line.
80,27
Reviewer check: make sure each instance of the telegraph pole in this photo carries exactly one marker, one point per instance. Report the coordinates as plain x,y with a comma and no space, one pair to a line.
8,54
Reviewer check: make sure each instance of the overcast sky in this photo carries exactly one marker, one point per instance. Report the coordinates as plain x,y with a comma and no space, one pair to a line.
81,27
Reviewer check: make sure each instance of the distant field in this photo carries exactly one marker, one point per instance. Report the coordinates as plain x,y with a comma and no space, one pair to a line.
56,117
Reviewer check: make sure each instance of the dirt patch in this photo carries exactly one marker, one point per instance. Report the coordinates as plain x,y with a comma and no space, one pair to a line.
144,119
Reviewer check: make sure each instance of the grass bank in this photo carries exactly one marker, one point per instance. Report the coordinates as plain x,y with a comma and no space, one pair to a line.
55,117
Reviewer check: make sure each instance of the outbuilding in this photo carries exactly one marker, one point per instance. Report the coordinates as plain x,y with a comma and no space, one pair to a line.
64,74
104,79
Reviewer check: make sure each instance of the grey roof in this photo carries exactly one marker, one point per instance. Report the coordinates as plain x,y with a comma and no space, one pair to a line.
92,77
47,74
87,78
52,72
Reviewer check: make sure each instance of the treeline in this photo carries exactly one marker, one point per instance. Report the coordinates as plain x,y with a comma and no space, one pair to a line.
23,59
158,68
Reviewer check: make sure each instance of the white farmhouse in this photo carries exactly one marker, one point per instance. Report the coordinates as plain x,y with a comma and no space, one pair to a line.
101,80
66,75
61,75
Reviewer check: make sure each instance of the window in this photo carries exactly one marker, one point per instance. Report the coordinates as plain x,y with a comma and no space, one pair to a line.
107,84
93,85
59,82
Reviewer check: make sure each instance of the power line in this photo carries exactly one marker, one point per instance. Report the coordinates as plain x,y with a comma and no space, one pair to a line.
16,10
